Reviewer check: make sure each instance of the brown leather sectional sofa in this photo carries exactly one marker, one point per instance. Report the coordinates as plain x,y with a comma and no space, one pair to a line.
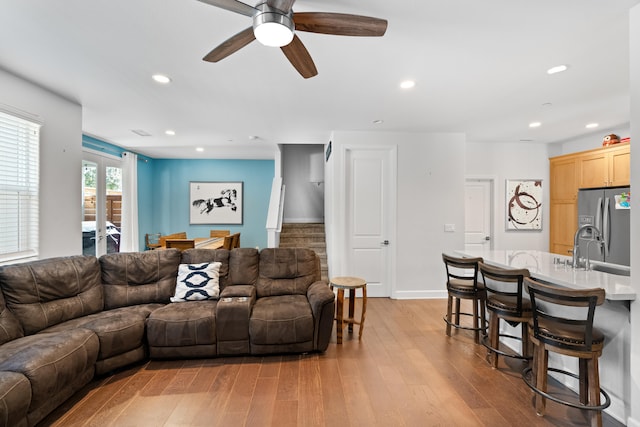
64,320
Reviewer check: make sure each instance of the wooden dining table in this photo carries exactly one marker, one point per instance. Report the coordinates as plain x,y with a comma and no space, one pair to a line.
202,242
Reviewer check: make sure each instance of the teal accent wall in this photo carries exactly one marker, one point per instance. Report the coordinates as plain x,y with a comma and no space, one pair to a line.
101,146
163,193
146,211
170,196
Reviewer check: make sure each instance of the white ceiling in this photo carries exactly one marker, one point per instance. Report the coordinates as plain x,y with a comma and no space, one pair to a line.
479,66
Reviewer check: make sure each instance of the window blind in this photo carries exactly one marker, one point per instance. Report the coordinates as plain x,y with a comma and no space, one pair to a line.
19,181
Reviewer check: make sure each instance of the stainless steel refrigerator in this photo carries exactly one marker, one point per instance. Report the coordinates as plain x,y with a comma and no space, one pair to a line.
608,209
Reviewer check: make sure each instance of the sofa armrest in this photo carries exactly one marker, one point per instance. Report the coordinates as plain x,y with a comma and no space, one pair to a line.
322,301
239,291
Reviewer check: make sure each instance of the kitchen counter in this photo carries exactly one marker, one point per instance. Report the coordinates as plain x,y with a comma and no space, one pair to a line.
612,317
541,266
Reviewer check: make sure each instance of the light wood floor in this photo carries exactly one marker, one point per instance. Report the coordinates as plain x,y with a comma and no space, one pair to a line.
404,372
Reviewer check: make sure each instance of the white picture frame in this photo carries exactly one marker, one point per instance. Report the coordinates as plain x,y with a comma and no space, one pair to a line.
523,199
216,202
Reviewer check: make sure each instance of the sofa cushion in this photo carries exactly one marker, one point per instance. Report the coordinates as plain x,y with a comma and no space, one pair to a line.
187,324
196,255
15,397
197,282
47,292
10,327
286,271
139,277
119,330
285,319
52,362
243,266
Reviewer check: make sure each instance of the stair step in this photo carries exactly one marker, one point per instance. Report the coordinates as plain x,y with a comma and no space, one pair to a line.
305,227
302,243
306,235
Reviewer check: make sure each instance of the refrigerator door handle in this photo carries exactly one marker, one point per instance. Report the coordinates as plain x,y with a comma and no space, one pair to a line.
598,222
605,228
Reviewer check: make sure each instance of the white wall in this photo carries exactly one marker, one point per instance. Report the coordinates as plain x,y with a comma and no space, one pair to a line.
587,142
304,200
430,184
503,161
60,161
634,28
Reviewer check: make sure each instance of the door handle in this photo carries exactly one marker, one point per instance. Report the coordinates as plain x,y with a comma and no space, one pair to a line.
487,237
385,243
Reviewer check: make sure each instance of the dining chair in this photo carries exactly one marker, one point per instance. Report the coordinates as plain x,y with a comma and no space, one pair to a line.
219,233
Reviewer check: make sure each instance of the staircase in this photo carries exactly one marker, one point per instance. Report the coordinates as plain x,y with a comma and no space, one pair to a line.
306,235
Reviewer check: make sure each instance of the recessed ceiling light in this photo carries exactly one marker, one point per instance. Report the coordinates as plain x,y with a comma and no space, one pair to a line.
161,78
557,69
253,137
547,105
407,84
591,125
378,122
170,132
535,124
199,149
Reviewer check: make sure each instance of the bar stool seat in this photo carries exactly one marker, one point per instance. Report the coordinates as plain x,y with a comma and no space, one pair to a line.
350,284
505,301
462,283
570,333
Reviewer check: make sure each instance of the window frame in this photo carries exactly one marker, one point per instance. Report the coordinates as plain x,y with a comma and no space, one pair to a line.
19,187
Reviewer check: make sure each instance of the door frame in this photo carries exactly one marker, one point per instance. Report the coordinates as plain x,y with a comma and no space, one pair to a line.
341,223
491,180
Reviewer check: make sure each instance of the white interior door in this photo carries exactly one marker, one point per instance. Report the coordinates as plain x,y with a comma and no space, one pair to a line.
478,202
370,204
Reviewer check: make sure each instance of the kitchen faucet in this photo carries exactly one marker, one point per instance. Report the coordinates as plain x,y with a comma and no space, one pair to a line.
576,250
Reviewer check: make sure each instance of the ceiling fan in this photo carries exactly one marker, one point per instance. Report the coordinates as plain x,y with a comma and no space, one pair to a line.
275,23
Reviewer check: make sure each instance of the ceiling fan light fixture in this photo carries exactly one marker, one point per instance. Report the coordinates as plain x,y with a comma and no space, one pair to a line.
273,28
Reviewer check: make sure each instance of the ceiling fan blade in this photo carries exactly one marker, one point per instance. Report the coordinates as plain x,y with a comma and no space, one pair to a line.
231,45
299,57
283,5
233,6
340,24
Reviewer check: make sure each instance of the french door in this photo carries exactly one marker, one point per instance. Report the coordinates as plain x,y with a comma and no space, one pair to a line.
101,203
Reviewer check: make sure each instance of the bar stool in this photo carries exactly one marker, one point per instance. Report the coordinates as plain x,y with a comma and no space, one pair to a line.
564,325
462,283
350,284
504,289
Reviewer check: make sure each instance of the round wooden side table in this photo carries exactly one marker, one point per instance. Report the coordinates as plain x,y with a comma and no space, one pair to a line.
350,284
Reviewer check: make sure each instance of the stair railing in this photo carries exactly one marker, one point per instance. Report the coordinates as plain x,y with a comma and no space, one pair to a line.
275,213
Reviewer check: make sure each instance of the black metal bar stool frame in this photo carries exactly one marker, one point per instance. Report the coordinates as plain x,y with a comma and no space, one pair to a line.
505,301
571,335
462,283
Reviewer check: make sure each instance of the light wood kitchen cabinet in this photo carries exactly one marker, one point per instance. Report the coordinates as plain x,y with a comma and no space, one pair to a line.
564,222
601,167
563,211
620,166
604,167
